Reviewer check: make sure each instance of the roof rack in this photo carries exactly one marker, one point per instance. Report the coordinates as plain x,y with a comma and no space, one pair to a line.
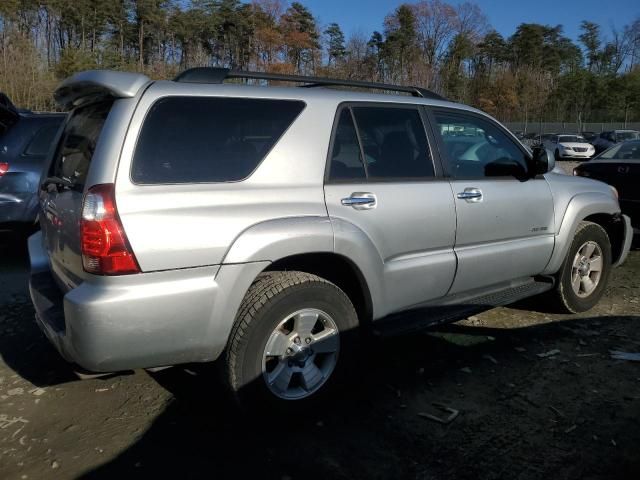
219,75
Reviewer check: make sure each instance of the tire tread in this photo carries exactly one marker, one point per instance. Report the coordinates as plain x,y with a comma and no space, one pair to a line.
267,286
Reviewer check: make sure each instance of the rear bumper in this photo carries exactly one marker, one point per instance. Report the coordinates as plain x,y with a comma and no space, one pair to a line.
20,208
135,321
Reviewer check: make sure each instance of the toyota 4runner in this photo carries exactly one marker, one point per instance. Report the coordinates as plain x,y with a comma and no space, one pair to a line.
194,220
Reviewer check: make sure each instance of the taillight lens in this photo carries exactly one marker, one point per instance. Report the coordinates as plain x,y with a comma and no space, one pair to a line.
4,168
105,248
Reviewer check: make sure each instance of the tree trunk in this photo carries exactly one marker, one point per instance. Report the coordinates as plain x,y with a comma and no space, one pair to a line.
141,44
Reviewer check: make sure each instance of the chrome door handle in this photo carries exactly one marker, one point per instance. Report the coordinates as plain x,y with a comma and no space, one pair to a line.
360,201
470,195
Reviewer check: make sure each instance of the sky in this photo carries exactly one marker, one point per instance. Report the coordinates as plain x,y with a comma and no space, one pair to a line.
503,15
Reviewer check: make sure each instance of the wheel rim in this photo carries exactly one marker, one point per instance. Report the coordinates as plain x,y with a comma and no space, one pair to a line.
301,354
586,270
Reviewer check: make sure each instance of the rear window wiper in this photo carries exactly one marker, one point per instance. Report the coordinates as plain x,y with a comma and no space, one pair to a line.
59,181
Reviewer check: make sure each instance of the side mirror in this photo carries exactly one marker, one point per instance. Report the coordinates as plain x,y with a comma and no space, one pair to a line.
541,162
505,168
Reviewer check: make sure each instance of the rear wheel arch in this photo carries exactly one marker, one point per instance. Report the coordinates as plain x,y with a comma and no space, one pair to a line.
338,270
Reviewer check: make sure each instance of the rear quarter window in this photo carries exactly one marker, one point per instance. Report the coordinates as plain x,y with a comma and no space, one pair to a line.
211,139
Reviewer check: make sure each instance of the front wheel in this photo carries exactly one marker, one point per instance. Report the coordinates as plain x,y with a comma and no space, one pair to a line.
291,338
556,155
584,274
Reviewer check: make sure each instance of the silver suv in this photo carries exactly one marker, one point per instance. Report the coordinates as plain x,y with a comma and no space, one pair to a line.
192,220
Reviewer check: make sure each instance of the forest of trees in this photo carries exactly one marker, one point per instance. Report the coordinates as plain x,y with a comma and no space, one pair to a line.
535,74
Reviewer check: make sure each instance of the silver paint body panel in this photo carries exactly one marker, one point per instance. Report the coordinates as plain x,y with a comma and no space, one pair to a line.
201,245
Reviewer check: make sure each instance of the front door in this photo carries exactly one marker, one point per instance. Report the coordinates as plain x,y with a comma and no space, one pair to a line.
505,219
382,183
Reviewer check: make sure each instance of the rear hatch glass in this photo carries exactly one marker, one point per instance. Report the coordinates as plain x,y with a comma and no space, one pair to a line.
62,203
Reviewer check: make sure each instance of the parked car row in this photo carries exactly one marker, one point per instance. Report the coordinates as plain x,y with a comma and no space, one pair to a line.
608,139
25,140
569,147
577,146
619,166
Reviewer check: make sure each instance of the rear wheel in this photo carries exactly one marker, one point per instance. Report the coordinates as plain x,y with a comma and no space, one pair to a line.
584,274
291,338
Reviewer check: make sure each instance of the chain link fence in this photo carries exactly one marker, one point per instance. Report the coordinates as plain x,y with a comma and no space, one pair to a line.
568,127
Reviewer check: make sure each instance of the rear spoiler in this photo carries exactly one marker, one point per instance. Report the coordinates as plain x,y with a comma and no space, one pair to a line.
90,85
8,113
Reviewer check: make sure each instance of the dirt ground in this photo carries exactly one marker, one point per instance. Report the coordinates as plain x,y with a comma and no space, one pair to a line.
538,396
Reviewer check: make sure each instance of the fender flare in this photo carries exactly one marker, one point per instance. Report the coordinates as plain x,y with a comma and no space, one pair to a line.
279,238
353,243
579,207
264,243
274,240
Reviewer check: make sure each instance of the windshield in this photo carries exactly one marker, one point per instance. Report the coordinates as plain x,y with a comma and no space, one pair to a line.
570,139
625,136
623,151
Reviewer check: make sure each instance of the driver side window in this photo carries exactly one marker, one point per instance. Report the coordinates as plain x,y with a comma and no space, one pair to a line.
477,148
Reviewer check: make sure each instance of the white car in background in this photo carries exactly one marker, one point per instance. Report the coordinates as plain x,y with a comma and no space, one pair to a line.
569,146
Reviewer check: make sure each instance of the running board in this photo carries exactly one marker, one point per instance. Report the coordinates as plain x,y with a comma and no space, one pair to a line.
459,306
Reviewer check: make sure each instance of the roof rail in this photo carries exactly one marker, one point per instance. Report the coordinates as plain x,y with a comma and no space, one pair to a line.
219,75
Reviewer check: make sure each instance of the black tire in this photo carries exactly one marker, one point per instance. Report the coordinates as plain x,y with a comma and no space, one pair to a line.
556,155
563,296
271,298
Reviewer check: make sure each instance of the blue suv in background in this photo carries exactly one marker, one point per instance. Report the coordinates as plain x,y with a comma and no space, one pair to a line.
25,139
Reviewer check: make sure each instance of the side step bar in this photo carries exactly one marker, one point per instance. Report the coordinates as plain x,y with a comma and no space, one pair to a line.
459,306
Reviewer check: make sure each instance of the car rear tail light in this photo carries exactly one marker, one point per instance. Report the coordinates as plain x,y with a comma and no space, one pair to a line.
104,245
4,168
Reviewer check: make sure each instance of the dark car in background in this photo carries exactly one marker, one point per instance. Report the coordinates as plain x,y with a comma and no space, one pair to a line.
25,140
619,167
610,138
589,136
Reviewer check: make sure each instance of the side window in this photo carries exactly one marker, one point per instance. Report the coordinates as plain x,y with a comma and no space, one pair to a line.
346,160
394,143
478,148
210,139
41,141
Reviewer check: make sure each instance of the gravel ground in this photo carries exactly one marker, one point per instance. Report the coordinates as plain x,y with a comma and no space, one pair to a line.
568,166
538,396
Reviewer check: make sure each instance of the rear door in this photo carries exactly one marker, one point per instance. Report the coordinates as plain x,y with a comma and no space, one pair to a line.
61,203
383,181
505,225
